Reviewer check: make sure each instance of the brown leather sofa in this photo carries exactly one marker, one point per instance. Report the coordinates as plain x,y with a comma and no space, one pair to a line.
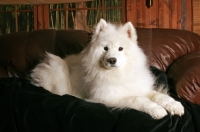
176,52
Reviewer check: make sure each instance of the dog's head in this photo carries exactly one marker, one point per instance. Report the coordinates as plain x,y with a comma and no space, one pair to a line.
111,44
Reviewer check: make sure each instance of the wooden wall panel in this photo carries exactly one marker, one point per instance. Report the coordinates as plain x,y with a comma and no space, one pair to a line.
164,12
179,13
46,16
41,17
132,11
196,16
175,14
141,14
153,11
35,17
147,17
187,15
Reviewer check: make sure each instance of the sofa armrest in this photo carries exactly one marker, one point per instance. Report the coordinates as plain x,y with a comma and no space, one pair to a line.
185,74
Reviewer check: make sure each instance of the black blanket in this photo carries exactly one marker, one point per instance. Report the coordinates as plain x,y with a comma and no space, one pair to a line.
27,108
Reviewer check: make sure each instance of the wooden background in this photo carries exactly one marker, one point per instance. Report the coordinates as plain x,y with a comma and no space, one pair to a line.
196,16
176,14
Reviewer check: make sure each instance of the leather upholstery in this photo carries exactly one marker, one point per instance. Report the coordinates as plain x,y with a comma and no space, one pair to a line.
176,52
164,46
185,74
22,51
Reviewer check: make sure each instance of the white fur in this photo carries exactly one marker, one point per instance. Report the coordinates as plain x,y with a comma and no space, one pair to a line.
90,75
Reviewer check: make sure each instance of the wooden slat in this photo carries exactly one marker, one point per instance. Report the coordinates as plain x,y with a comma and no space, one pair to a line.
16,20
40,17
103,10
164,13
196,16
179,13
46,16
174,14
123,11
132,11
153,15
147,14
39,1
188,14
66,18
153,11
35,17
141,14
160,13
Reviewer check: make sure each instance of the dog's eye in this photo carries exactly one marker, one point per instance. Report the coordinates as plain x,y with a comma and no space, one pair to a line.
120,48
106,48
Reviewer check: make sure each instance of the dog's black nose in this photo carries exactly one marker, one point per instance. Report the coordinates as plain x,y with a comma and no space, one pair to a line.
112,60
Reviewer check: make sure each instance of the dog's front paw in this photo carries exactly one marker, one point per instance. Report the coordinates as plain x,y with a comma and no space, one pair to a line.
175,108
157,112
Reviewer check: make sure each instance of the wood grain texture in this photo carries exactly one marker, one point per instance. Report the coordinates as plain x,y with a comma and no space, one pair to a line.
131,11
46,17
35,17
153,11
176,14
164,7
187,15
196,16
40,17
39,1
141,14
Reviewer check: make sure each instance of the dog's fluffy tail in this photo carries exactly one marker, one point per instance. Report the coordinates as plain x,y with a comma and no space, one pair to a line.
52,74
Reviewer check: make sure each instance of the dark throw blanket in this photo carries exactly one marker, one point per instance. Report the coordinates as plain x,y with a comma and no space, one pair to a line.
27,108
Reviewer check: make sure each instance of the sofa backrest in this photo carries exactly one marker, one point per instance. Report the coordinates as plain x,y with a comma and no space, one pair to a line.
165,46
20,52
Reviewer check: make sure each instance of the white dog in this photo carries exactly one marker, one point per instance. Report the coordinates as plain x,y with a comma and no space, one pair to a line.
111,70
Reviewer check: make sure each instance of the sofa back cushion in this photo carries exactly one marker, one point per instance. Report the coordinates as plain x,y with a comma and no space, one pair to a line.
22,51
164,46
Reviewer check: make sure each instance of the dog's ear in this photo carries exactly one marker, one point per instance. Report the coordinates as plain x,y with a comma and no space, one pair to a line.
130,31
100,26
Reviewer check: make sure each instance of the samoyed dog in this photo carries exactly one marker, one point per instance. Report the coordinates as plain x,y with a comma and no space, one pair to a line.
111,70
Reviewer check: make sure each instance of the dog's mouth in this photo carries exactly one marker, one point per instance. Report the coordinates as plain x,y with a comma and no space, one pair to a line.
107,66
113,65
